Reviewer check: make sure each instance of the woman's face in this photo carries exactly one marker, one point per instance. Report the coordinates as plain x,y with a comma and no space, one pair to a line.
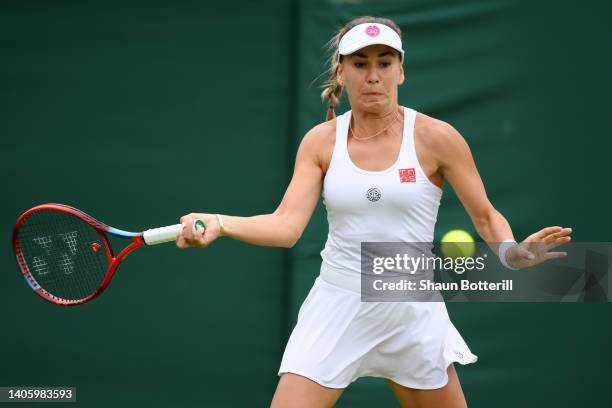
371,76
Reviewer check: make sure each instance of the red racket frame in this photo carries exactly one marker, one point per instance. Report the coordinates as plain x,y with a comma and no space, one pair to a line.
101,228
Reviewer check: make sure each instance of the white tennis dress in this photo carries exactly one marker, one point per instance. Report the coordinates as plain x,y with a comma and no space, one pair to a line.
338,338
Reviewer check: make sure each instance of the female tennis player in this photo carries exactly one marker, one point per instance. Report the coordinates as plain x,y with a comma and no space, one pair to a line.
380,167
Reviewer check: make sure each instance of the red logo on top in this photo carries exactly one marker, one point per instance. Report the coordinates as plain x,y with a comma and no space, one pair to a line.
372,31
407,175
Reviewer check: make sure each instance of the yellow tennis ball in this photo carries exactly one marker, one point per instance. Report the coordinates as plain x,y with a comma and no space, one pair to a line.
457,244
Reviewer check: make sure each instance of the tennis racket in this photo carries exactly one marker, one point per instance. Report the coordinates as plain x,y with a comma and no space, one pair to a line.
65,255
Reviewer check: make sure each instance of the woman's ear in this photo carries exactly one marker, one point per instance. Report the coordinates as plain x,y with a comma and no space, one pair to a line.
340,74
401,77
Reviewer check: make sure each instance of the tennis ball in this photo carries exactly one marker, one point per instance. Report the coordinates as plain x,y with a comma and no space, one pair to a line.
457,244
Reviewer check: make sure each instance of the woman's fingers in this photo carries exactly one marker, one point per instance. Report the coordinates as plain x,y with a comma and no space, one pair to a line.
535,249
180,242
557,238
197,234
559,241
551,238
544,232
188,236
554,255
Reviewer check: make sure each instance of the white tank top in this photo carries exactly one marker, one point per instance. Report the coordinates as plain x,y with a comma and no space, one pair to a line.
399,204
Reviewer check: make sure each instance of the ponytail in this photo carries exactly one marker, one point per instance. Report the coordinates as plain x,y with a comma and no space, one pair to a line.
332,90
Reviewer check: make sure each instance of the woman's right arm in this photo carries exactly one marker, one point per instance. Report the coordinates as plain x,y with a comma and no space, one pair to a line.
283,227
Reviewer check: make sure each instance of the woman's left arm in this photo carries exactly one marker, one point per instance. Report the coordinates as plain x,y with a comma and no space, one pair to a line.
456,164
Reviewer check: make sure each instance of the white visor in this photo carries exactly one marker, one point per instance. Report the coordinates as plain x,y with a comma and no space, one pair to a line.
368,34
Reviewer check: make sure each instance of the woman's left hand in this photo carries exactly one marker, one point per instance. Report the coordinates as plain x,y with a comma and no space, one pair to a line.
535,249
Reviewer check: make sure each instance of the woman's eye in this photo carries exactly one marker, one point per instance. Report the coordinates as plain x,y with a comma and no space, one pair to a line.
359,64
385,64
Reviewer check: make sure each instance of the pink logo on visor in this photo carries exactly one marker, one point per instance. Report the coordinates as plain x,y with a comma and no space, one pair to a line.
372,31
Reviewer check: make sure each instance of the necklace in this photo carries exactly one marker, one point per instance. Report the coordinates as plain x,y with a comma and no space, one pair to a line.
397,115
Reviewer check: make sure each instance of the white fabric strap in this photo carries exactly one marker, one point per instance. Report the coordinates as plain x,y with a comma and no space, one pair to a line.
503,249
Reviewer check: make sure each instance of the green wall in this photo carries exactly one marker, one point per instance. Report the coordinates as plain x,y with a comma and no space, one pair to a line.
174,107
138,113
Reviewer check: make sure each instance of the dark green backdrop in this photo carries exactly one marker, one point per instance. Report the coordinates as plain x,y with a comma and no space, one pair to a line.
174,107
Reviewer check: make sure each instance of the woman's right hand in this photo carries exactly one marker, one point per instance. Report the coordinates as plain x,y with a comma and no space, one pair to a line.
188,238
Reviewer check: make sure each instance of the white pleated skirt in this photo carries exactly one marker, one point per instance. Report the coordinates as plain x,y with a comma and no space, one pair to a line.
338,339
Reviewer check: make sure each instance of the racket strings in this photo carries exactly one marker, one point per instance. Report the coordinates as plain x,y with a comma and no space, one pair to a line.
64,254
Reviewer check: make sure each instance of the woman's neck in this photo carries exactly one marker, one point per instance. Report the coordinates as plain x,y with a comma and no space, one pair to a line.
368,125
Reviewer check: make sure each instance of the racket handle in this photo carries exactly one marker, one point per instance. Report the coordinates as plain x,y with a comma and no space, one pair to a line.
160,235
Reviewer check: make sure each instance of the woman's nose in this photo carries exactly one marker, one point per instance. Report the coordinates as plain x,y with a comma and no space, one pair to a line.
372,77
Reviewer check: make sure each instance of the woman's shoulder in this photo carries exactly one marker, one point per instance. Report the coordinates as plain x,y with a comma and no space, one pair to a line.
435,133
319,142
321,134
439,141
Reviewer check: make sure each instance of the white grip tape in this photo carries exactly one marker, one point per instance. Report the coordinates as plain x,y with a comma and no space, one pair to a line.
160,235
